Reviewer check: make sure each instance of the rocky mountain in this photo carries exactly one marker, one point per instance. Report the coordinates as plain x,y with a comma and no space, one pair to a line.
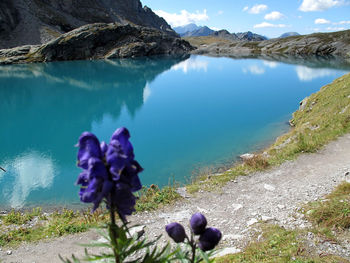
97,41
187,28
289,34
202,31
246,36
24,22
321,44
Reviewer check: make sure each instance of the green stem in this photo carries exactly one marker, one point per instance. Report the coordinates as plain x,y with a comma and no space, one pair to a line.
193,245
112,233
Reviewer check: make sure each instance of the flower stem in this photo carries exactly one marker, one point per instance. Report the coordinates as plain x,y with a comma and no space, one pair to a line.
193,245
113,234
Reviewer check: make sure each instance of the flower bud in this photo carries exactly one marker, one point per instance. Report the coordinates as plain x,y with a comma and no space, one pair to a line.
198,223
209,239
176,231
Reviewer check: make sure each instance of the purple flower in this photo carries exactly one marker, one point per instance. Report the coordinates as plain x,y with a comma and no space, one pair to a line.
198,223
89,146
176,231
209,238
109,171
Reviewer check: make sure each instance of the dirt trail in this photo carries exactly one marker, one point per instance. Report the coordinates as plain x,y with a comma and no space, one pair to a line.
273,196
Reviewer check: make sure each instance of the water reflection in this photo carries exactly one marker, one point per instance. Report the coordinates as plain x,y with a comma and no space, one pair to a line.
308,74
254,69
46,107
270,64
177,120
193,63
31,171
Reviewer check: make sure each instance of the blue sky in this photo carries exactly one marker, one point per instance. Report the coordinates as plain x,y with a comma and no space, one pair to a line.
267,17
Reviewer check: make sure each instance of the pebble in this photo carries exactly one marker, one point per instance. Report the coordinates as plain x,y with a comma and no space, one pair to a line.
252,221
269,187
228,250
9,252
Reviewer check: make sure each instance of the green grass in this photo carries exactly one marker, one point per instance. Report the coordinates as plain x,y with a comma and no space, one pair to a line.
205,40
332,213
279,245
31,226
18,229
152,198
325,117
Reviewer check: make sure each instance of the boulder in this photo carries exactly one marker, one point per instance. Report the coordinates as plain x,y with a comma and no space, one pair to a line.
99,41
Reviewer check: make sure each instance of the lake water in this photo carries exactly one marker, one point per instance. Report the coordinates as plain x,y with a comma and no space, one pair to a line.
182,114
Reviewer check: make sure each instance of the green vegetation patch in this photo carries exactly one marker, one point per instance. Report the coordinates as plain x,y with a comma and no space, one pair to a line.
205,40
280,245
152,198
32,226
333,212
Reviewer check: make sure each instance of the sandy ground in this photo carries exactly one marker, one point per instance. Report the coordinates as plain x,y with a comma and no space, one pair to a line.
273,196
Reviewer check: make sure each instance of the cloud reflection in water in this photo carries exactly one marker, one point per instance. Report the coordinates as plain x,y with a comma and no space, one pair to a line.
193,63
31,171
308,74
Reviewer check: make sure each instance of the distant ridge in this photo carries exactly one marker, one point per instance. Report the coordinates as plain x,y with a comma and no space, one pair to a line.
289,34
201,32
206,31
187,28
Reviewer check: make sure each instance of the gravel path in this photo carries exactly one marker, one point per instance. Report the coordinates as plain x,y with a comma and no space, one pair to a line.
273,196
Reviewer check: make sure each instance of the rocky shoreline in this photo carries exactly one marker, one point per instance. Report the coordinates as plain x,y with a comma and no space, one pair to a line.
99,41
320,44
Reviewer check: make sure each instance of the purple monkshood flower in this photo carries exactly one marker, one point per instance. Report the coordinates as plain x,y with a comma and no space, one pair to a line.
109,171
198,223
176,231
209,238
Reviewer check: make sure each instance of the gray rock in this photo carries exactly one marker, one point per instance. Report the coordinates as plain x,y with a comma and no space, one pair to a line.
26,22
98,41
319,44
247,156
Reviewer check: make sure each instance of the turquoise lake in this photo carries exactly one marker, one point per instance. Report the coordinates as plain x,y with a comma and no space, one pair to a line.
182,113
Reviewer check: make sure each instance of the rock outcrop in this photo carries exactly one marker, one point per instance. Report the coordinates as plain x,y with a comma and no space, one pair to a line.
320,44
97,41
28,22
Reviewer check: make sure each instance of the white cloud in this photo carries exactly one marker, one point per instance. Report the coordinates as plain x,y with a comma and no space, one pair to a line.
320,21
220,12
214,28
308,74
256,9
335,28
254,69
184,18
193,63
275,15
266,24
343,22
319,5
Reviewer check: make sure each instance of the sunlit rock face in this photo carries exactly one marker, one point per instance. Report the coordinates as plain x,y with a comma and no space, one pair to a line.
24,22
